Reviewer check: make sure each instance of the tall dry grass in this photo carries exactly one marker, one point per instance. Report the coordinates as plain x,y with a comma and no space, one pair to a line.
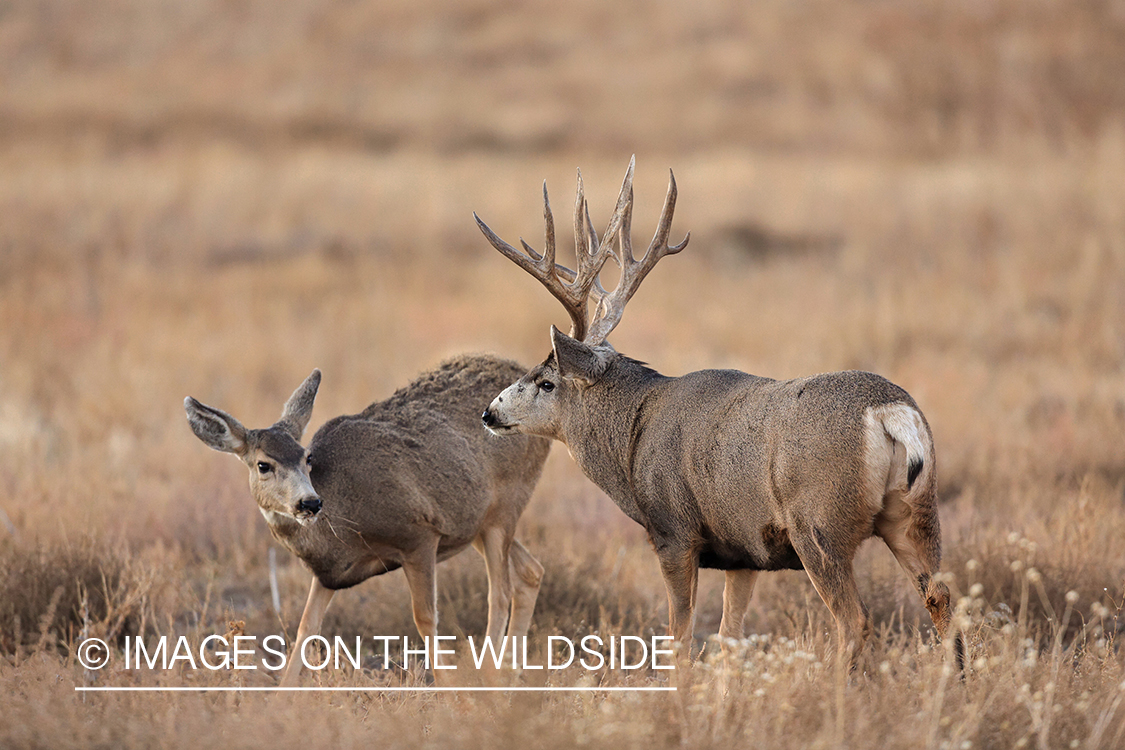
214,198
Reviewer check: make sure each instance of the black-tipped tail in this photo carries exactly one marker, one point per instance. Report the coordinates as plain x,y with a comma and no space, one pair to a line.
913,470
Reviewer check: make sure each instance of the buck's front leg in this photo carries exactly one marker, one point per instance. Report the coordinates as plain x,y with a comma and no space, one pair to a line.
315,607
680,568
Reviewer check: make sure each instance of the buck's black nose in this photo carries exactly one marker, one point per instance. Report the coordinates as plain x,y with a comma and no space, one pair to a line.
488,418
309,505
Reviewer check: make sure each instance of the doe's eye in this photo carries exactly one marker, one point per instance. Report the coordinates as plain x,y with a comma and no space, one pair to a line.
264,468
547,386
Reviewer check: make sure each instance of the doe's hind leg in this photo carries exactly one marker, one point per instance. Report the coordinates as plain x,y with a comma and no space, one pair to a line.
526,574
494,545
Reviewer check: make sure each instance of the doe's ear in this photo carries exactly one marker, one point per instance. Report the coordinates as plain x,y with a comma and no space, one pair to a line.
216,428
577,360
298,409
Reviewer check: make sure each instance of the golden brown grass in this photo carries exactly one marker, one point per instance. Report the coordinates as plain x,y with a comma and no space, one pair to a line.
212,199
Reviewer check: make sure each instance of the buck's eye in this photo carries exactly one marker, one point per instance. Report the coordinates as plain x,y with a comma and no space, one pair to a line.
547,386
264,468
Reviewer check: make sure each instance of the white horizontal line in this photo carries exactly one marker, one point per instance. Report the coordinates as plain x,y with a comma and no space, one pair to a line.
394,689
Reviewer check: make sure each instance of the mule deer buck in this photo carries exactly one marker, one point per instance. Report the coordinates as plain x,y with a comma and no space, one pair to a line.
724,469
407,482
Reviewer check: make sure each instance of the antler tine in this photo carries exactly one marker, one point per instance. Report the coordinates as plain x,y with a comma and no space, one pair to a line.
611,306
590,254
664,228
623,214
520,259
581,237
548,230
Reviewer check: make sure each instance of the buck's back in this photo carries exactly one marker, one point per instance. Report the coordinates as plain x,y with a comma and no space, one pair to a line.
738,450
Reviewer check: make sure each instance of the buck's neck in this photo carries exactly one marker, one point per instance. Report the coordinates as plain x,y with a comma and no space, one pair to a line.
602,428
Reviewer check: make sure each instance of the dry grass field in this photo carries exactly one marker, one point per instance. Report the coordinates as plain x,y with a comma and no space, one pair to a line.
212,198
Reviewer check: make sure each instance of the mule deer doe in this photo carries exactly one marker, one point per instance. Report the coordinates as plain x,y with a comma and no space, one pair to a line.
724,469
405,483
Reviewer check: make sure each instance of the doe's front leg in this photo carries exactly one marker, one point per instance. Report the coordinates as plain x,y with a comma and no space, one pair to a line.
315,606
420,567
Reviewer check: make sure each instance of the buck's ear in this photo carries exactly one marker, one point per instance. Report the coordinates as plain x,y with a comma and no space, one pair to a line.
217,429
298,409
576,360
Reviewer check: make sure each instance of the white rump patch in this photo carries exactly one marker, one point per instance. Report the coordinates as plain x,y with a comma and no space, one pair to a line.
895,438
904,424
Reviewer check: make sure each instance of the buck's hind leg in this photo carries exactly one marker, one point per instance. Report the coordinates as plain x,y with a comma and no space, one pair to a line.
737,590
913,535
831,573
527,574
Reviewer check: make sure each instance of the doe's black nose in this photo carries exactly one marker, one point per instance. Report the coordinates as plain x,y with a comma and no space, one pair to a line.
488,418
309,505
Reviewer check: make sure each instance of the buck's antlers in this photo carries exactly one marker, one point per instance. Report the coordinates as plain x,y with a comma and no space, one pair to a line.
573,289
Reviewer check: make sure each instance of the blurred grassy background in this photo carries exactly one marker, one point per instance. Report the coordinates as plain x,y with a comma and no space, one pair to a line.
212,198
